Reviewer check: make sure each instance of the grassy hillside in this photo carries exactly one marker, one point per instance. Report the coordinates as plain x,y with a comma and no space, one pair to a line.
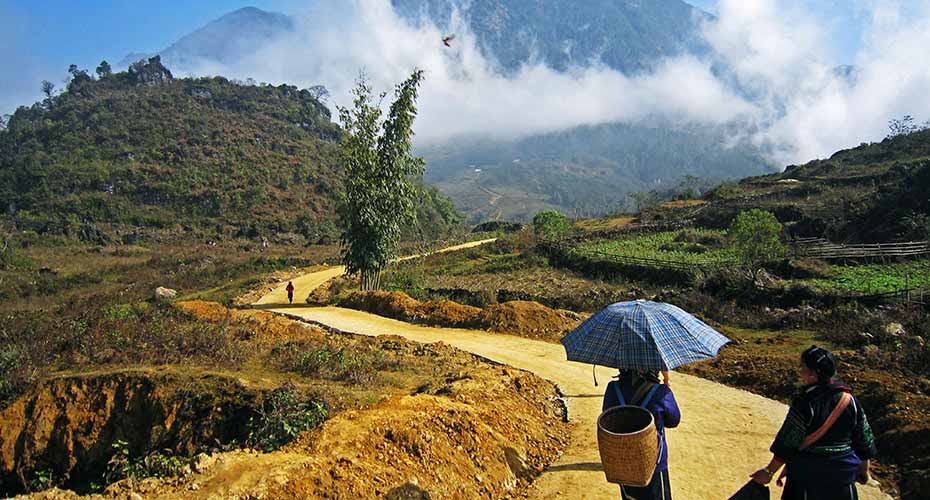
872,193
585,171
140,151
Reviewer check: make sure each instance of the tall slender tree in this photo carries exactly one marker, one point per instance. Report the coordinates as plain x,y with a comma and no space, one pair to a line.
380,189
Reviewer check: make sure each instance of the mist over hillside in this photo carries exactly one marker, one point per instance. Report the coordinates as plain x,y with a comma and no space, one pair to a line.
517,70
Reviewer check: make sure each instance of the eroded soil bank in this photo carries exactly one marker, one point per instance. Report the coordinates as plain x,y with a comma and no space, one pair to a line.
66,426
407,420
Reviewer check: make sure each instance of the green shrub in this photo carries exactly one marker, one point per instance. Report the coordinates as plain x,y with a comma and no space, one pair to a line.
285,414
13,360
756,237
156,464
550,225
10,257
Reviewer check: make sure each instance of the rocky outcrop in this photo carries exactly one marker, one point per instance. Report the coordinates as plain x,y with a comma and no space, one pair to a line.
152,72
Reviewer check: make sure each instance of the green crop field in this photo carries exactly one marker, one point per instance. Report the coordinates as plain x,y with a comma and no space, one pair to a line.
878,278
691,246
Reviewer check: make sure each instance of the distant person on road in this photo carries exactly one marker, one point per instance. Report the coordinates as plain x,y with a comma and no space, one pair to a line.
826,441
635,388
290,292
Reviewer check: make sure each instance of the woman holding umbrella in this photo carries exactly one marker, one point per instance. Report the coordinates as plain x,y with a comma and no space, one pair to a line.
643,338
643,388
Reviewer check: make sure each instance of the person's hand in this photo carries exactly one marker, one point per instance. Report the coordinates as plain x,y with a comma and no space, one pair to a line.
665,378
762,476
863,476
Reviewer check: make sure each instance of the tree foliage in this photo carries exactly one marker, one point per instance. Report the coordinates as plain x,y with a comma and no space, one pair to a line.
756,235
550,224
380,185
904,126
104,70
48,89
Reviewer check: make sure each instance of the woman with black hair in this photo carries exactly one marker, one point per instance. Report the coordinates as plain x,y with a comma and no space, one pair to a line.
826,441
642,388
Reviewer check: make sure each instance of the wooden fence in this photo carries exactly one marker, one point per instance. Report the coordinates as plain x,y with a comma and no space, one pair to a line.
819,248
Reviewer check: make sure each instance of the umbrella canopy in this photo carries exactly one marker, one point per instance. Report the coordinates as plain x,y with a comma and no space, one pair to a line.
642,335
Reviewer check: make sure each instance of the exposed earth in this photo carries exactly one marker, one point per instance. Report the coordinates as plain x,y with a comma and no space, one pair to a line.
724,435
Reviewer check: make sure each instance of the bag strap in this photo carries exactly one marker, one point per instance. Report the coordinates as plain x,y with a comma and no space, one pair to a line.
652,388
648,398
619,394
845,399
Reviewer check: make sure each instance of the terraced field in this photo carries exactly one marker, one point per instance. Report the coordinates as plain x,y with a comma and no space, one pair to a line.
687,246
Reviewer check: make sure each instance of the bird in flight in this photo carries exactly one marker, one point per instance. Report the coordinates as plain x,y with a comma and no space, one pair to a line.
448,38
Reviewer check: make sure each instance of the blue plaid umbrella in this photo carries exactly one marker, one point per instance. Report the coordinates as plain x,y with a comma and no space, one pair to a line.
642,335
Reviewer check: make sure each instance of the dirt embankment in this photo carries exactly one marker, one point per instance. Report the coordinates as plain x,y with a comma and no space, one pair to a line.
521,318
266,328
486,435
64,428
430,422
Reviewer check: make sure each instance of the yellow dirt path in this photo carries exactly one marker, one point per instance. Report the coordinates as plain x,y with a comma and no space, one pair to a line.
305,284
723,437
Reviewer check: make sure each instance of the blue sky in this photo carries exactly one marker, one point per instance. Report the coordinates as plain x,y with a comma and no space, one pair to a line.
40,39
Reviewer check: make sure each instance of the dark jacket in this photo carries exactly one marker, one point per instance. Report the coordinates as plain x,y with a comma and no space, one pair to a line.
663,406
835,458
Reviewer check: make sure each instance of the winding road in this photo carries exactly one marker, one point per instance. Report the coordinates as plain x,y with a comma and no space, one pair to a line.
724,434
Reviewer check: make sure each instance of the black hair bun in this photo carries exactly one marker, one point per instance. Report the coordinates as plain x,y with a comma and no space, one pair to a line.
820,361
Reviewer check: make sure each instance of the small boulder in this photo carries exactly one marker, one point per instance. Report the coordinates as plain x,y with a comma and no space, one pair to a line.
894,329
202,462
162,293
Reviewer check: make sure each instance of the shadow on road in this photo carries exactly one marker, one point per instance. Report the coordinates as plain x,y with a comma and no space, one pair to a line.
276,306
584,466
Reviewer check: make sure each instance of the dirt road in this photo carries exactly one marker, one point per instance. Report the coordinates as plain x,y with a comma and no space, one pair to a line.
723,437
305,284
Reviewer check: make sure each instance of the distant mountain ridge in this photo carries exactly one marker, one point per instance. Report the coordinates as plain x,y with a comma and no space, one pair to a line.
584,171
626,35
225,40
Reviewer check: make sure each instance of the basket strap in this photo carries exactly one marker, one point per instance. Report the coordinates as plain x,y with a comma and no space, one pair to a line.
648,398
620,394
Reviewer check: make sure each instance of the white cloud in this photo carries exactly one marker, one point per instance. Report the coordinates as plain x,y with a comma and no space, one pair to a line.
463,94
806,111
779,81
779,85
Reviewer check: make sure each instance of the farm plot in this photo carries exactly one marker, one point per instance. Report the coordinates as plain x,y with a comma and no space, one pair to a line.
878,278
697,247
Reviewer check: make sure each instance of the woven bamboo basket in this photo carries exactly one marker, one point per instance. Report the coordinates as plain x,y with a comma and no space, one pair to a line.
628,443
